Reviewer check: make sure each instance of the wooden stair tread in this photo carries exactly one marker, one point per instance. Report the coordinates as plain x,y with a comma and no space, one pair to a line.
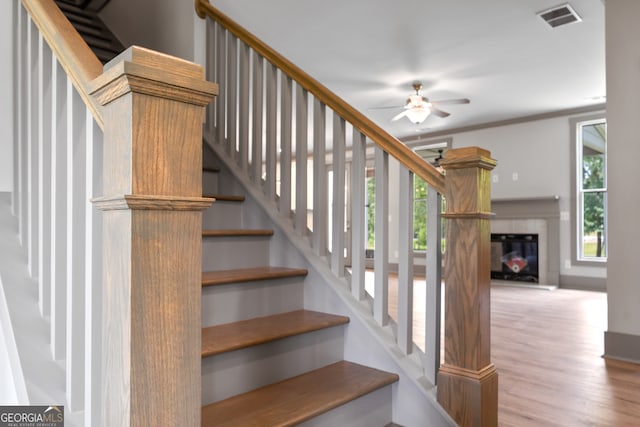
221,277
297,399
211,169
225,197
236,232
246,333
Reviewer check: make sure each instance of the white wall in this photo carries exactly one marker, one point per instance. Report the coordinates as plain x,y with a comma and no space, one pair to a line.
537,151
6,96
167,26
623,111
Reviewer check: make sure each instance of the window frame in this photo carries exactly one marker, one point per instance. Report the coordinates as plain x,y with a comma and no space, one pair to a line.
431,144
577,192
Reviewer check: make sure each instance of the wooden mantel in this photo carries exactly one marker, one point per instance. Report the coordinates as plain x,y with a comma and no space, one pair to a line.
153,113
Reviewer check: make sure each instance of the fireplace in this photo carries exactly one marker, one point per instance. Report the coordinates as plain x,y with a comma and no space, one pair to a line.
533,216
514,257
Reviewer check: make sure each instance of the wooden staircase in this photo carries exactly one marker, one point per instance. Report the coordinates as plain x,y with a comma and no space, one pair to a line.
266,361
145,228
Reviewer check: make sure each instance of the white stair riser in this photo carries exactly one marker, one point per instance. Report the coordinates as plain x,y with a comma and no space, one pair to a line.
209,182
371,410
241,301
228,374
226,253
223,215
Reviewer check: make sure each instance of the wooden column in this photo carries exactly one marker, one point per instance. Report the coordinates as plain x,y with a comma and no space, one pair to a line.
152,202
468,381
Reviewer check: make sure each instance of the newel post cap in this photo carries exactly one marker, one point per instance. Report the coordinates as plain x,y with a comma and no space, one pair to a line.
145,71
468,157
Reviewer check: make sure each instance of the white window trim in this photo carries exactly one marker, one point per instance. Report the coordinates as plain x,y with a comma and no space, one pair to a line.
576,222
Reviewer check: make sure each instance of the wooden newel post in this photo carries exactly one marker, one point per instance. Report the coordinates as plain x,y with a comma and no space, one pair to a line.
152,202
468,381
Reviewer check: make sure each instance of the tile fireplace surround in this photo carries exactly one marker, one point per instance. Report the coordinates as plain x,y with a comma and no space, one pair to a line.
539,216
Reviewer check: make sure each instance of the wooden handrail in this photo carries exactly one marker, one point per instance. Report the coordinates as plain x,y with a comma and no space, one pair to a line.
72,52
379,136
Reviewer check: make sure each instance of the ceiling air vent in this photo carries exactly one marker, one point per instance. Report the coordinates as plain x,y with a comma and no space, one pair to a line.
560,15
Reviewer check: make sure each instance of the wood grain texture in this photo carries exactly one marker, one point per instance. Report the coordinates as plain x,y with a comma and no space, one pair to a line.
237,335
152,228
157,122
468,382
374,132
298,399
548,346
165,315
75,56
223,277
141,202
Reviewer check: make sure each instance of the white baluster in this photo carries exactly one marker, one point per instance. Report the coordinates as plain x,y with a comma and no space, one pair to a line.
271,126
33,233
59,211
302,138
257,125
286,118
221,74
338,202
405,261
210,69
76,200
381,254
434,285
358,213
24,129
18,95
44,177
93,275
243,106
232,96
320,197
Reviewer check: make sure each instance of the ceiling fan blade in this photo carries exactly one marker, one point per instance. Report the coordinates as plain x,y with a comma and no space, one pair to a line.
388,107
439,113
452,101
400,115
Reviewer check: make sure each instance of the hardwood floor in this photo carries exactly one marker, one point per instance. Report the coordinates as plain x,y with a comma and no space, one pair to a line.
547,347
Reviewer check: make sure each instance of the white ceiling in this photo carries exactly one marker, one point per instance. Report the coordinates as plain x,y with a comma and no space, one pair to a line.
497,53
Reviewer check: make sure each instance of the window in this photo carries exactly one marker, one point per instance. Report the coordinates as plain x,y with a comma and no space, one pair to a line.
419,214
591,190
370,205
432,152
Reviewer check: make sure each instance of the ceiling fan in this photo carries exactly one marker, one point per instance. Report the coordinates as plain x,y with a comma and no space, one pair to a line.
418,108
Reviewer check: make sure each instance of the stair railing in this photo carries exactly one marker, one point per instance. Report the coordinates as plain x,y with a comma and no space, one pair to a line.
108,195
309,153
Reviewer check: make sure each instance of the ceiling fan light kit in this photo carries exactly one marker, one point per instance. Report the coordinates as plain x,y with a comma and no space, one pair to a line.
418,114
